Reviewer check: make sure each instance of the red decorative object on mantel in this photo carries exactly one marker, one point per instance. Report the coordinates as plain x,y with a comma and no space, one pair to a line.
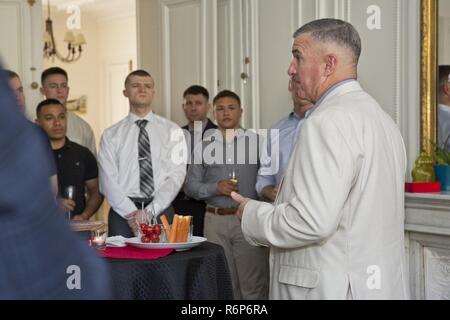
423,187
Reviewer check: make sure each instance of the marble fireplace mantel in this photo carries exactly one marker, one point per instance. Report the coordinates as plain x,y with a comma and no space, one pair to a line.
427,237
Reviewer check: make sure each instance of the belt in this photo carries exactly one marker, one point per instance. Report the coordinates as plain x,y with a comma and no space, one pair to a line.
222,211
139,201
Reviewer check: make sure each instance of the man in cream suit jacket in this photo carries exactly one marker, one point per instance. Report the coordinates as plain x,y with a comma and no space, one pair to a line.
336,230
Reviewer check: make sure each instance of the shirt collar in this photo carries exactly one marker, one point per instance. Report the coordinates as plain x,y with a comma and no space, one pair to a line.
204,123
310,111
239,133
133,117
337,85
294,116
67,145
326,94
444,108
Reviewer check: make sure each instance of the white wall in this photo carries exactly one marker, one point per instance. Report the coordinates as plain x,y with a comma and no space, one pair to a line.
444,40
177,47
117,56
274,58
82,74
110,42
444,32
389,65
150,46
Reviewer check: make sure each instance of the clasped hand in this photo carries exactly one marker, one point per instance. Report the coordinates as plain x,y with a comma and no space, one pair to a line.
226,187
134,219
67,205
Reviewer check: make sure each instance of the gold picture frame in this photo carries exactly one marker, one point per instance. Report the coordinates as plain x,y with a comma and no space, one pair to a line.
428,76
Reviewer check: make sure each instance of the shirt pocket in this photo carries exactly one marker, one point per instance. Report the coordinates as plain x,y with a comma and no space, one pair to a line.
300,267
79,171
300,277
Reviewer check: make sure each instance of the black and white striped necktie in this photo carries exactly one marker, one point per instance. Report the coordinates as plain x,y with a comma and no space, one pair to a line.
145,160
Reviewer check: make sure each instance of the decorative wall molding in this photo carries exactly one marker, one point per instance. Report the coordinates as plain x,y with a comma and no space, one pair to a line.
429,263
398,61
254,55
437,273
428,213
21,31
341,9
204,27
427,228
166,7
215,71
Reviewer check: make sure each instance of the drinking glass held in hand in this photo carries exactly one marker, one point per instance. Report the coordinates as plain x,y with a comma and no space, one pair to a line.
67,202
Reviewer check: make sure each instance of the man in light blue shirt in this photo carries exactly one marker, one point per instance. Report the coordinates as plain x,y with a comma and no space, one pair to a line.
280,143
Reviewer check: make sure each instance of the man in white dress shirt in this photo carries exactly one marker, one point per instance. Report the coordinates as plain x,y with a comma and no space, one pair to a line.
444,107
336,230
55,85
133,176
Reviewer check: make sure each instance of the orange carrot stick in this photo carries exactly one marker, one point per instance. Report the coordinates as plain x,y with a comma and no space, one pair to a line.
166,226
173,231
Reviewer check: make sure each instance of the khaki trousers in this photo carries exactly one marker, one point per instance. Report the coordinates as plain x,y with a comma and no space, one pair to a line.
249,266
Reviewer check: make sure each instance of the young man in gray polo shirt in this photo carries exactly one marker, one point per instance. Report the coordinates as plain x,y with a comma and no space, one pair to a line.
224,162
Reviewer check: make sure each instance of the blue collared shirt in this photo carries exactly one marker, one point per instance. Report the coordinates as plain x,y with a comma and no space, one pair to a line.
272,167
280,140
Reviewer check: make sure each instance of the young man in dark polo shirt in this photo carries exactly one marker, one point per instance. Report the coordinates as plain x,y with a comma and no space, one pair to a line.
76,165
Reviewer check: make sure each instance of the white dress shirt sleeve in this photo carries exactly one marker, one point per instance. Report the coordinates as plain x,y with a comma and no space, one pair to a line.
109,179
264,178
318,182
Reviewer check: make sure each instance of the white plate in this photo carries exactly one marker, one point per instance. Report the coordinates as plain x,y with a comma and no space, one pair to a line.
136,242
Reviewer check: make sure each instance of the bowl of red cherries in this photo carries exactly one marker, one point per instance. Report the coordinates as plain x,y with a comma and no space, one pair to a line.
151,233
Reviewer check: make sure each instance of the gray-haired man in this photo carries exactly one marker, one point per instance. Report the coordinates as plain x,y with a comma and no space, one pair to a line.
336,230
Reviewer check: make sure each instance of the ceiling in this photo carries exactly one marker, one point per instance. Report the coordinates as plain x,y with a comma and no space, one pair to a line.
98,8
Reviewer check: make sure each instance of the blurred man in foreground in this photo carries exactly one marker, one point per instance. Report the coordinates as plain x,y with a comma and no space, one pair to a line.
41,257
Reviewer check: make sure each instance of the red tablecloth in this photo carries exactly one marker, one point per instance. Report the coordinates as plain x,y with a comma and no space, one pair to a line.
130,252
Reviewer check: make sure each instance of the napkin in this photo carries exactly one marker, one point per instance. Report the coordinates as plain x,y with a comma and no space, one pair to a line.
130,252
116,241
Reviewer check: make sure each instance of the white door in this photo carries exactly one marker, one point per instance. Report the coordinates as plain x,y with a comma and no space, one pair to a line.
21,45
183,51
225,72
187,46
117,106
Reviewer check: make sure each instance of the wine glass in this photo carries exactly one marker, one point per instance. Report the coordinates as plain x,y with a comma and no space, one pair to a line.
151,214
98,239
142,219
69,193
233,176
233,179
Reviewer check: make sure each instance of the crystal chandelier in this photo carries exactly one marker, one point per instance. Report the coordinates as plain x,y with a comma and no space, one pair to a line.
74,43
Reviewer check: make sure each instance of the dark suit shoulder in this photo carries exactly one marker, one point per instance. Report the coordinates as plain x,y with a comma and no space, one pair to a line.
210,125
